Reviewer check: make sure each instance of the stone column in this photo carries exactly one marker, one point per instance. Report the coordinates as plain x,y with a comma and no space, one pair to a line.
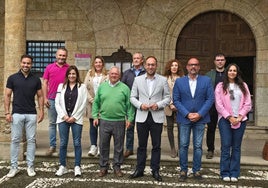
14,47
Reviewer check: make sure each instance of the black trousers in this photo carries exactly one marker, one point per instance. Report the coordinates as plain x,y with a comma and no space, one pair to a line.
211,129
143,130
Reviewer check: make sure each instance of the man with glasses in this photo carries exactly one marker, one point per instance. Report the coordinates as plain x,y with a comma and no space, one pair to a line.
193,95
216,76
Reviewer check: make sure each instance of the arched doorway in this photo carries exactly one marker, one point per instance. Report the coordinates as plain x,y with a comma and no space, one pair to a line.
219,31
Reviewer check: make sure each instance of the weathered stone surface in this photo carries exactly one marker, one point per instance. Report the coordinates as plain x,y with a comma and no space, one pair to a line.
101,27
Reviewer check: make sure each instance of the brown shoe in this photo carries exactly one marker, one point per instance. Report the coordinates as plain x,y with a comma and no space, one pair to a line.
118,173
102,173
128,153
50,151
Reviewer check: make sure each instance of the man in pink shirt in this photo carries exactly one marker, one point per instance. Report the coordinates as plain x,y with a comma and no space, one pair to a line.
54,75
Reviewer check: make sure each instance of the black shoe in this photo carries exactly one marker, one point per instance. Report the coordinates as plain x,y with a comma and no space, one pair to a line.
156,176
210,155
136,174
183,176
198,176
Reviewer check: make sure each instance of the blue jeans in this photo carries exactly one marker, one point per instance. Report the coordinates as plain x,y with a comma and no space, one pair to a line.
198,133
19,123
93,133
231,140
52,117
130,137
64,129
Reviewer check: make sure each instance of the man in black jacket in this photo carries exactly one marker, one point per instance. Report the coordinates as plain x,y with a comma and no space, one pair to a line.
128,78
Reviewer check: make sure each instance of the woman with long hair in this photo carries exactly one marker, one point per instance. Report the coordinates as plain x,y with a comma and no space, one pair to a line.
233,102
173,70
94,77
70,105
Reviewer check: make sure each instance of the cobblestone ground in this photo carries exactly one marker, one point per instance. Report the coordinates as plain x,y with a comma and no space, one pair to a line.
46,168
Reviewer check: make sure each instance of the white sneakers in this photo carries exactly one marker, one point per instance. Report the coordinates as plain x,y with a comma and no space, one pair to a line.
232,179
77,171
93,150
62,170
12,172
30,171
226,179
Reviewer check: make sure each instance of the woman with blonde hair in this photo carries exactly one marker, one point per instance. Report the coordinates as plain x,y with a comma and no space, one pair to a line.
94,77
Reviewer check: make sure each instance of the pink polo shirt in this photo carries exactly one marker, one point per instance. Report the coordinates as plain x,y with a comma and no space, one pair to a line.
55,75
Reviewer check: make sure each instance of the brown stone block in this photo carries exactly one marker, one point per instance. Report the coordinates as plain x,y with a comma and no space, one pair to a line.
265,151
262,80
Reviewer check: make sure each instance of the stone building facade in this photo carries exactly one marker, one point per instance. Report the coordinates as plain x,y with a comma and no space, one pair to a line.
99,27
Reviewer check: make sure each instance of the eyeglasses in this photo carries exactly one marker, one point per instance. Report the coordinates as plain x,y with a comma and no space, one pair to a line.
231,92
191,65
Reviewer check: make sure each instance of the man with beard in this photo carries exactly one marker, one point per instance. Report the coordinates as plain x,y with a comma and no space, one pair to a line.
54,75
216,76
193,95
149,94
24,86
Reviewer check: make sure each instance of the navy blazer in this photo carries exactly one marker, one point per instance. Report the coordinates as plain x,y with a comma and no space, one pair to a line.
200,103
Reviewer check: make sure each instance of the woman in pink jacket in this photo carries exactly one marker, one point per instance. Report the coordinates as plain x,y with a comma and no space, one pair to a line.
233,102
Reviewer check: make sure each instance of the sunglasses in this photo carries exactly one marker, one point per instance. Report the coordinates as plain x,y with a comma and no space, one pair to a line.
231,92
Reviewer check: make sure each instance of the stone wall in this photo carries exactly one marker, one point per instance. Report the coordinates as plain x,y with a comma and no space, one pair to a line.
149,26
2,28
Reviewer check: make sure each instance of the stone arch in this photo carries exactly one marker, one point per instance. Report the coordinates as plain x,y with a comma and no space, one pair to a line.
249,13
246,12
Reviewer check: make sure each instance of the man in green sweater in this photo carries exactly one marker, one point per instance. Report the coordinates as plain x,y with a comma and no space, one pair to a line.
113,112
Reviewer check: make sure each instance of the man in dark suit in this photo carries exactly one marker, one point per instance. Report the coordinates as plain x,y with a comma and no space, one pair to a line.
193,95
149,94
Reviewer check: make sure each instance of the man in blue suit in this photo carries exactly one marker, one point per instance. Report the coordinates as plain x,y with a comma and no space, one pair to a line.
193,95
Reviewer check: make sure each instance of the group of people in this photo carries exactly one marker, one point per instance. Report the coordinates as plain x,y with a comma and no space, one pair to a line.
115,103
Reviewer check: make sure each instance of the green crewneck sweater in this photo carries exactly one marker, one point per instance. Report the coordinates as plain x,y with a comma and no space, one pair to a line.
112,103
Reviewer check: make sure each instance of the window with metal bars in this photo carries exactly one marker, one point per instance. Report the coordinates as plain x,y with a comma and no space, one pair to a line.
43,53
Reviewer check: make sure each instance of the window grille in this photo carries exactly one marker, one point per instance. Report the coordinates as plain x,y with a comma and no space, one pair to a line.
43,53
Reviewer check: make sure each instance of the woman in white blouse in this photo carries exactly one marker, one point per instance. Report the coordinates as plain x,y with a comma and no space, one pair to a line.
70,105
